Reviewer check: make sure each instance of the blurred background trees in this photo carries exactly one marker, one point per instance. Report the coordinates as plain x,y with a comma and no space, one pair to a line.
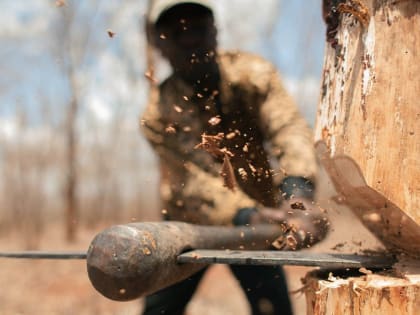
72,90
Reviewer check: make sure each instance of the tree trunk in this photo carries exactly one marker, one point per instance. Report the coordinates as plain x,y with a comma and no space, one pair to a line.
367,134
370,294
369,115
71,161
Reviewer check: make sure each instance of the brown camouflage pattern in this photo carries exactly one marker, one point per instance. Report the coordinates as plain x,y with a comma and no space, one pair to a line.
262,127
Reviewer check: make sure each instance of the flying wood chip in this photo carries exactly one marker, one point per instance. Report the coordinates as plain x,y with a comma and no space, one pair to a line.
211,144
60,3
149,75
215,120
228,174
111,34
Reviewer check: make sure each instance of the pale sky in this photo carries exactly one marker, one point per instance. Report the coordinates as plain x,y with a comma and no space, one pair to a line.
294,43
111,85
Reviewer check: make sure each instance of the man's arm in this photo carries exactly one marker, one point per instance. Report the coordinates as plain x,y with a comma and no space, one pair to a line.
288,134
290,146
205,199
204,195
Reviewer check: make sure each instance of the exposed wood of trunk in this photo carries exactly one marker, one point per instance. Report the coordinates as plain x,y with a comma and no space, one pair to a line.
367,133
369,114
371,294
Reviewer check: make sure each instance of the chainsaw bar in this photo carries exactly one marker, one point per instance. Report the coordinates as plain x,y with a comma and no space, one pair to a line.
275,258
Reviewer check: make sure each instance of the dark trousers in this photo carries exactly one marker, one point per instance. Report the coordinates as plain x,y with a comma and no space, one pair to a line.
264,286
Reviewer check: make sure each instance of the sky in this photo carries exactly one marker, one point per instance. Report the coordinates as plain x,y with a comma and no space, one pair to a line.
288,33
109,76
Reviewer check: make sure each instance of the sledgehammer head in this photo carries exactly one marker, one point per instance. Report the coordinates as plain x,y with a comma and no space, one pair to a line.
126,262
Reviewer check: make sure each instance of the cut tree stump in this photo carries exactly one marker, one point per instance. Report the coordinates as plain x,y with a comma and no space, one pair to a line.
379,293
367,136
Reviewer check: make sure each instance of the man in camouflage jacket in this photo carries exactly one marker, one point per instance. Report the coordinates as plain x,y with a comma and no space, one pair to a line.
232,147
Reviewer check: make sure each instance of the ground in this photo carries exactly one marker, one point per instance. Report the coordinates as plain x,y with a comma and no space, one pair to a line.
42,287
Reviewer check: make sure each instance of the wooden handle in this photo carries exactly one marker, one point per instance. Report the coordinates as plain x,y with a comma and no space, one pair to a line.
125,262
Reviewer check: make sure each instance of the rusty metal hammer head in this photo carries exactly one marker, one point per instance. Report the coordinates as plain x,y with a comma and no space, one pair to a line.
126,262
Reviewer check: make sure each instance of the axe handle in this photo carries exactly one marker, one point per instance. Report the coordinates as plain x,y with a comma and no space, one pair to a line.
125,262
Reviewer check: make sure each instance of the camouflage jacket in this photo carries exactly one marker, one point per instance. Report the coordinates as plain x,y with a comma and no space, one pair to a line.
266,136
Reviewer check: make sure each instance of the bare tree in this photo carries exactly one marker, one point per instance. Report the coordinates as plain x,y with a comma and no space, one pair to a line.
72,36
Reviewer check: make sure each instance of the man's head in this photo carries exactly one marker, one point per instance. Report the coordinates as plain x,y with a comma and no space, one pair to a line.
185,33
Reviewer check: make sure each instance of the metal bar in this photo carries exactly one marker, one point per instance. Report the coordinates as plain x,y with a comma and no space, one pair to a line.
242,257
44,255
286,258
